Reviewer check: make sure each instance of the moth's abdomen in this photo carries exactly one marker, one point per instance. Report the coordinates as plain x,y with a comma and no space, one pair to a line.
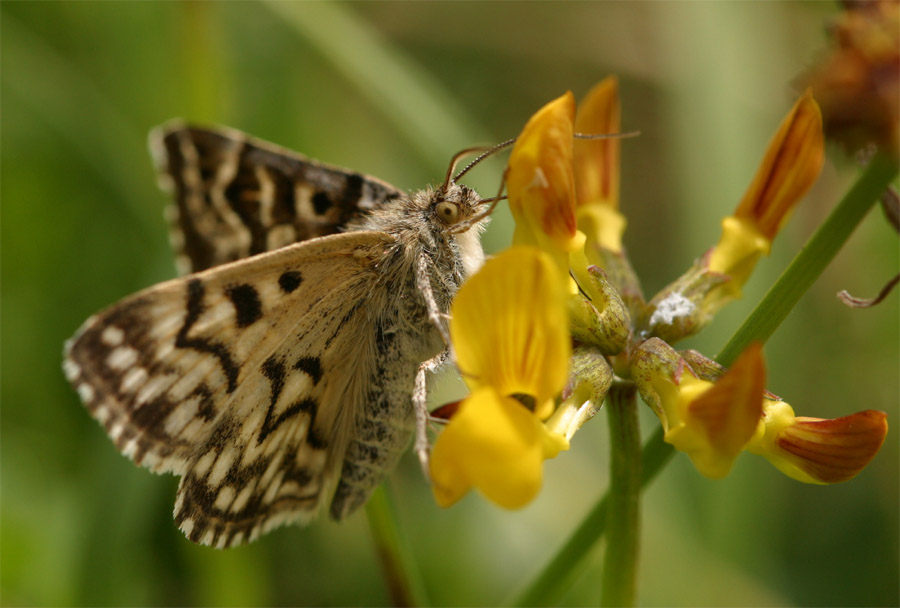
369,458
385,422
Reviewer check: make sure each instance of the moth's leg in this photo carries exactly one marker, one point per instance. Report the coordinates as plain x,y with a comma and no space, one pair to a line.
435,315
420,405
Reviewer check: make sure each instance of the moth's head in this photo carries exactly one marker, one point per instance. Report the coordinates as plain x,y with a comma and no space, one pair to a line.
460,215
458,207
455,208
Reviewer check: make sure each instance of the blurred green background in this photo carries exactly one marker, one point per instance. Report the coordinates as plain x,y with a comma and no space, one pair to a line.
394,89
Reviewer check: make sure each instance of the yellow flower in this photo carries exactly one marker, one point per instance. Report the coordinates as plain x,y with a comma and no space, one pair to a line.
815,450
541,181
712,415
710,421
510,330
792,163
510,336
597,166
495,444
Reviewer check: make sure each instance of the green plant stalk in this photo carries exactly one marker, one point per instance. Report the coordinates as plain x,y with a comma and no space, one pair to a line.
623,513
815,256
564,567
567,565
397,563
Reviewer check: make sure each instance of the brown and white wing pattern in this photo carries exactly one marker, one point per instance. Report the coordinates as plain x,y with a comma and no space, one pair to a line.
235,379
236,196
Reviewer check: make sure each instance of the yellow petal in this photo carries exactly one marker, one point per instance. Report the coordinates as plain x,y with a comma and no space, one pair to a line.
597,166
739,248
496,445
815,450
710,422
509,327
725,417
541,181
597,161
792,163
603,225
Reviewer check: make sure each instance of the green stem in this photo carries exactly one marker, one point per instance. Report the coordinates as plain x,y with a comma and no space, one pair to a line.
569,562
815,256
623,514
564,567
397,562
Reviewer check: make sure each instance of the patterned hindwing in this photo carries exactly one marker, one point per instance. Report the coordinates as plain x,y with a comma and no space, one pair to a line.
236,196
240,378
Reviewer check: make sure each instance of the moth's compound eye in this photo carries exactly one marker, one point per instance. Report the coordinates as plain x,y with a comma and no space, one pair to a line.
447,212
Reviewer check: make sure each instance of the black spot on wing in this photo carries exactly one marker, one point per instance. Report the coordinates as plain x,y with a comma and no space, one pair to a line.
195,293
311,366
244,196
315,439
285,208
301,476
321,203
275,371
353,190
290,280
247,307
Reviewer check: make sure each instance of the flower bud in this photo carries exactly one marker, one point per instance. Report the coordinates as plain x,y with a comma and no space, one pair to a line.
791,164
600,319
681,309
597,175
588,384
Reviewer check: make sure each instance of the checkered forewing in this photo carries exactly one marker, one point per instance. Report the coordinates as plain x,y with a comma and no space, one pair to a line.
236,196
233,378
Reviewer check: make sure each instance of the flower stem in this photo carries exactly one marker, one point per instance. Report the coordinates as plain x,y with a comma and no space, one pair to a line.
563,569
623,514
569,562
397,563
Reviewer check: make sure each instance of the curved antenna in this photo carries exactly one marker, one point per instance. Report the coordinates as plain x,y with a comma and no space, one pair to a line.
484,154
455,161
592,136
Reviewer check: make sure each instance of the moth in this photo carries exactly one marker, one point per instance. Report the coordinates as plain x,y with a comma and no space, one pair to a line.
276,376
